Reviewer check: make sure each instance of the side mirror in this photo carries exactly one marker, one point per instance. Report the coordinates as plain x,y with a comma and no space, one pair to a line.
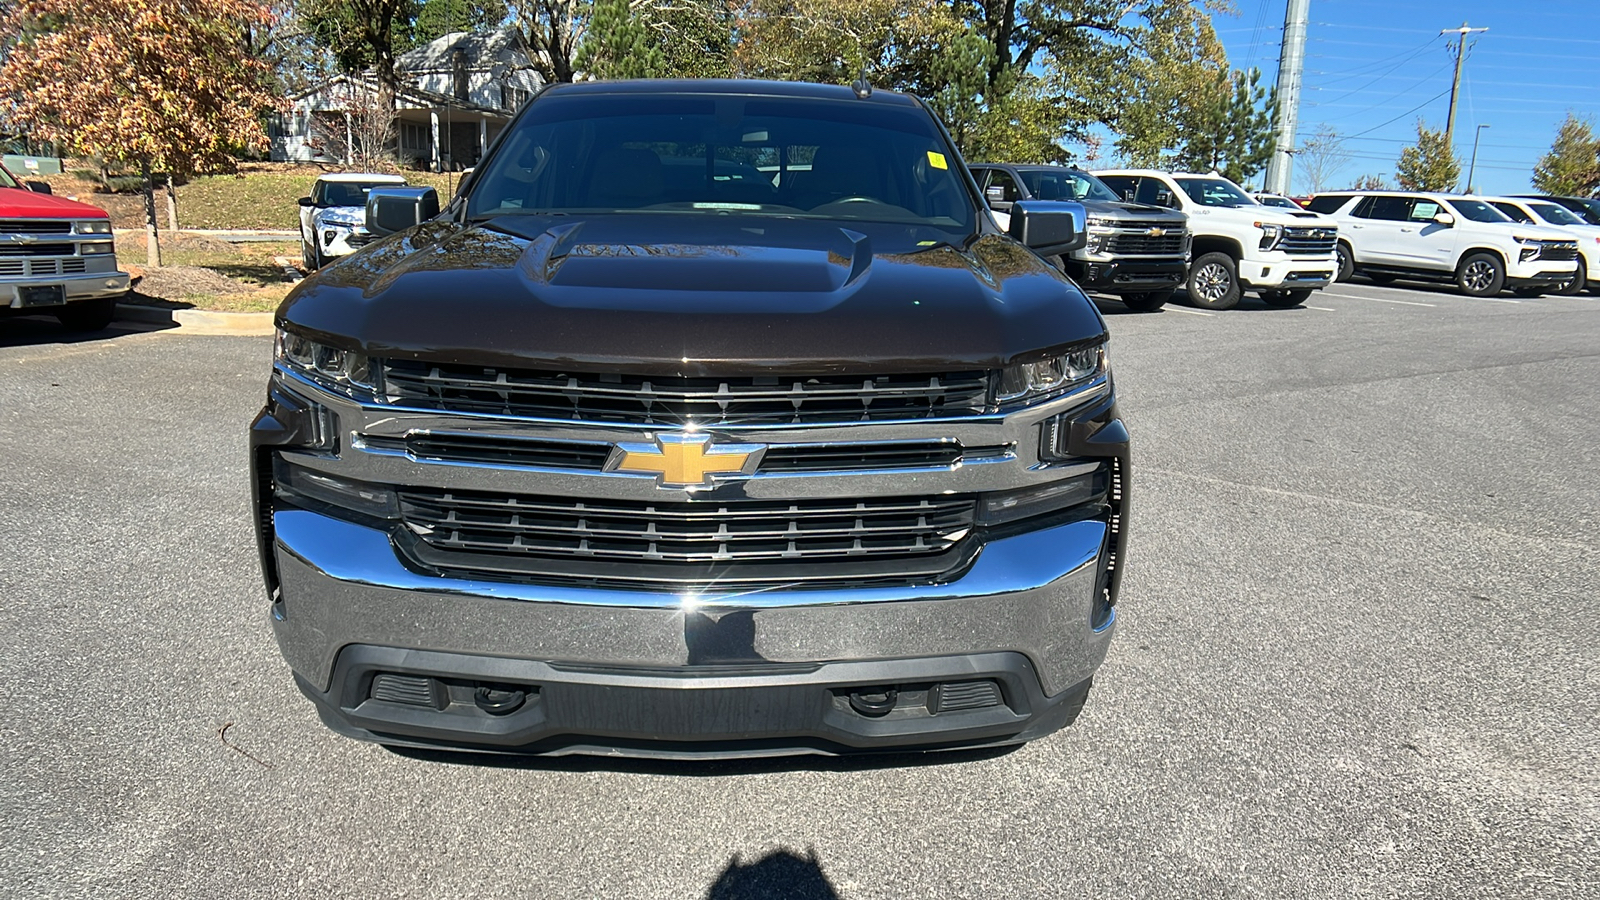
395,209
39,187
307,201
994,194
1445,219
1049,227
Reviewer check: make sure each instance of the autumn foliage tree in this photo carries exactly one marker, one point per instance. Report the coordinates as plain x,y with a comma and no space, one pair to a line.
165,85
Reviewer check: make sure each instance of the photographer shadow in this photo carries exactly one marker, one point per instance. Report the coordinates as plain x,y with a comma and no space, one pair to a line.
780,875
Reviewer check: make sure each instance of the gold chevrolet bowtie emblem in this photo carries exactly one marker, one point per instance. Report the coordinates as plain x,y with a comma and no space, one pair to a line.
689,461
1156,232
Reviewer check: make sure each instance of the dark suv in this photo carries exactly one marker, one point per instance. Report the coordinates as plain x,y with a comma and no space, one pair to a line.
1137,251
1586,208
709,419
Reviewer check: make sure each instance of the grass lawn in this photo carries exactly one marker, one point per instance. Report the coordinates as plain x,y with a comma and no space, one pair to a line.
262,200
205,273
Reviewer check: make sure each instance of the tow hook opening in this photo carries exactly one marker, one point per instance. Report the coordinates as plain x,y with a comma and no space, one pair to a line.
499,700
874,701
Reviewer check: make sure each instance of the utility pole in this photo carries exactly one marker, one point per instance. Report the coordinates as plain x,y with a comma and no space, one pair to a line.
1291,65
1472,168
1455,86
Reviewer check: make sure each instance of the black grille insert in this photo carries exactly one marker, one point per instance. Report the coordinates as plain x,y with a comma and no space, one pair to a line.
673,400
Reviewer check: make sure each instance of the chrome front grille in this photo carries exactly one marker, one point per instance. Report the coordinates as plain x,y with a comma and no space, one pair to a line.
1309,241
590,456
37,250
1558,251
69,266
669,400
1135,243
671,541
35,226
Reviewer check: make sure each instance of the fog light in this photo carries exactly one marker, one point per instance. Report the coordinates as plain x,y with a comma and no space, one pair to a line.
1012,506
356,496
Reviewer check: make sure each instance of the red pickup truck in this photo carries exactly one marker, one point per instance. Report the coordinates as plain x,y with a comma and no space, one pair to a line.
56,258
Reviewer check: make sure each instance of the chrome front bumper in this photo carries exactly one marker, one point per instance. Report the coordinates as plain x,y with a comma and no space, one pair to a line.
89,286
1034,594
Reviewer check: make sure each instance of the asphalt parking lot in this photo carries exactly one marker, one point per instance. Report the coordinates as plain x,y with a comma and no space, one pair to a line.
1357,654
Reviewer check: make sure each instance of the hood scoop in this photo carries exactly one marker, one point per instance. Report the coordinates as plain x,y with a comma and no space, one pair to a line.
626,253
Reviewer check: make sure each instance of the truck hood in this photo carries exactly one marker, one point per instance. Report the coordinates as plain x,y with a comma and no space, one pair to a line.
692,295
1121,209
1272,215
19,203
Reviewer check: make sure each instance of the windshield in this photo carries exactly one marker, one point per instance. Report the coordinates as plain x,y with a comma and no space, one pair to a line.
1275,200
1478,211
727,155
1214,192
1554,214
1064,184
348,193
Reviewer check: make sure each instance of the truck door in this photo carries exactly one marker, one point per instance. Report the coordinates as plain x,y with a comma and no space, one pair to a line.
1374,230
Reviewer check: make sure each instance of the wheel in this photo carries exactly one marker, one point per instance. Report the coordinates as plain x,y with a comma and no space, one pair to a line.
88,315
307,257
1285,298
1214,282
1580,281
1481,275
1150,301
1346,265
1380,278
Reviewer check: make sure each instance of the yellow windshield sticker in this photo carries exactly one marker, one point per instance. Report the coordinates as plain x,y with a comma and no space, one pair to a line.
937,160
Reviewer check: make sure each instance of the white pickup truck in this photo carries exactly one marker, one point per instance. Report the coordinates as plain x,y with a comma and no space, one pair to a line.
1239,244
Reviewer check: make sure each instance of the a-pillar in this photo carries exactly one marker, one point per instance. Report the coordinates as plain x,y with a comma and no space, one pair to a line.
483,137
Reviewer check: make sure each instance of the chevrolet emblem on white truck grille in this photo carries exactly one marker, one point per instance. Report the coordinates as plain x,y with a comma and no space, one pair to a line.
687,461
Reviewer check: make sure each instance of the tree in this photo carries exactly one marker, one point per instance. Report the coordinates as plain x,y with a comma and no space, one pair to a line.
1427,165
1572,167
437,18
364,34
1160,93
1370,183
186,99
1232,131
1320,157
620,43
551,32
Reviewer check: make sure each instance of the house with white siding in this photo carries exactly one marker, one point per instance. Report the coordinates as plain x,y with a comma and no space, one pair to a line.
456,93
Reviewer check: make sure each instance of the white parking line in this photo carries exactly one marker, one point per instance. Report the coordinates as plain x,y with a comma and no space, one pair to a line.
1493,299
1376,299
1192,312
1323,308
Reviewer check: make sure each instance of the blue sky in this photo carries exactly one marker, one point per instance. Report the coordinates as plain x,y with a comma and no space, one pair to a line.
1374,66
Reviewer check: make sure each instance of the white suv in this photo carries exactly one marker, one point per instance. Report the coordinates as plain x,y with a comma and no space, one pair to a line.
1387,235
1282,255
1528,211
333,220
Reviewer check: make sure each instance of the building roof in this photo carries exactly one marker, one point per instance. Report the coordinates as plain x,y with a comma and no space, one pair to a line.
481,49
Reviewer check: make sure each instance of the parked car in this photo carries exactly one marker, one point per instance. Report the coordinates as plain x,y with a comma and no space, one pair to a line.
333,218
1544,212
1586,208
1278,201
1238,244
1136,251
1387,235
617,455
57,257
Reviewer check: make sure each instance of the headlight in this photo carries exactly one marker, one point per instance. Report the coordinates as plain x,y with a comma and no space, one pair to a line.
1032,382
93,226
342,220
344,371
1270,235
97,248
1100,222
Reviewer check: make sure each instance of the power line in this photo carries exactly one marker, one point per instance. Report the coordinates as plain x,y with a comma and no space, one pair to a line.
1404,114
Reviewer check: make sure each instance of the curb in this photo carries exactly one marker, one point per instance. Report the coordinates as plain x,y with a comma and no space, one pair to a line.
199,321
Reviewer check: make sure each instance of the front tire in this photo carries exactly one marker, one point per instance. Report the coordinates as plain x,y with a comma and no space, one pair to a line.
1345,265
1481,275
1381,278
1285,299
1149,301
1214,282
1579,282
88,315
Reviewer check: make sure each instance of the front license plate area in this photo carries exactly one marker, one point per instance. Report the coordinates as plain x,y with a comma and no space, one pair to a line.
41,295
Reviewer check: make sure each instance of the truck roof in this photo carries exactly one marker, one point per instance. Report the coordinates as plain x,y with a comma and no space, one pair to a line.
732,86
363,177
